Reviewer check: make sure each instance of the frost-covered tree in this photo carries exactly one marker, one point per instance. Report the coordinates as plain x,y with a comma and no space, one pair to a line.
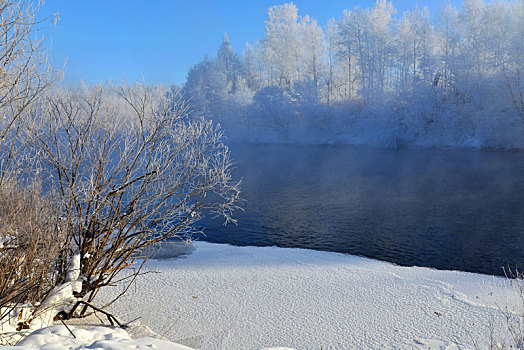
414,37
474,43
229,64
220,88
313,46
331,44
283,46
252,66
513,64
207,87
131,169
378,48
447,45
273,109
366,35
350,48
25,74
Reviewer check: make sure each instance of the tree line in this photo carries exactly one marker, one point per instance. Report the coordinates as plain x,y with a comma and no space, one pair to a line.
466,60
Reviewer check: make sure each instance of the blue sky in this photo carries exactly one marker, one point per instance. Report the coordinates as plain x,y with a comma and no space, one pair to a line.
159,40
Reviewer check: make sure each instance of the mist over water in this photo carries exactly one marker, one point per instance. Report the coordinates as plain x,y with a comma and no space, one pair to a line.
459,210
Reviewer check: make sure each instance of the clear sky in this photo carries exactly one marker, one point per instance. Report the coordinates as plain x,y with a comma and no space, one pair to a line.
159,40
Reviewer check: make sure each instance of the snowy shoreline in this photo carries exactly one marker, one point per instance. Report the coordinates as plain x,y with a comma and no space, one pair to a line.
228,297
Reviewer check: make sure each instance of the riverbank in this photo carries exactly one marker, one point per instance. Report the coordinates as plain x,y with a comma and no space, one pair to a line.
226,297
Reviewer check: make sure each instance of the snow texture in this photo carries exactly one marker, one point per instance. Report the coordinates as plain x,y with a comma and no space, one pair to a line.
225,297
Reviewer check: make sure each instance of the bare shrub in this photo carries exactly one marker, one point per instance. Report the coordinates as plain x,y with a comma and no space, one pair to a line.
30,241
29,236
504,325
25,74
132,170
513,314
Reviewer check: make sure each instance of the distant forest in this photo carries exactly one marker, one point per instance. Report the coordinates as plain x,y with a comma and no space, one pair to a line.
370,76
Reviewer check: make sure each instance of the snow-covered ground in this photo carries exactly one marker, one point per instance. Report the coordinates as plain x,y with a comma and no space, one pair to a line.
58,337
225,297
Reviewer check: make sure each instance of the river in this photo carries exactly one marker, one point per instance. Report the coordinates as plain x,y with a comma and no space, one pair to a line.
445,209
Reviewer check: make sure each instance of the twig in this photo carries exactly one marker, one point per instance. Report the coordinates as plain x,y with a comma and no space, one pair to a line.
109,316
70,331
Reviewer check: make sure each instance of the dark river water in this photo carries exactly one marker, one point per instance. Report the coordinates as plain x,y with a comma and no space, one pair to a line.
459,210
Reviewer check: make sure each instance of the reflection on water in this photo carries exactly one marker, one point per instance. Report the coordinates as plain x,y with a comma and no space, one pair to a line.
460,210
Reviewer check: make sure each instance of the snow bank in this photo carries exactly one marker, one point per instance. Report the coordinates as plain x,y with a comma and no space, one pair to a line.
107,338
58,337
225,297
